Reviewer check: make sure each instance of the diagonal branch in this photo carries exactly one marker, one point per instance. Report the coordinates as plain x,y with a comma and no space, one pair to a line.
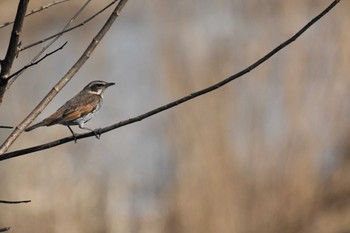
176,102
14,77
65,79
68,29
12,50
36,11
33,63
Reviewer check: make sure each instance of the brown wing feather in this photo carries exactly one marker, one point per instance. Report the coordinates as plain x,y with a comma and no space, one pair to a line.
77,109
77,112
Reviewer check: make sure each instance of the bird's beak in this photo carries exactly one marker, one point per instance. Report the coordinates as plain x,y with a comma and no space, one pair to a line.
110,84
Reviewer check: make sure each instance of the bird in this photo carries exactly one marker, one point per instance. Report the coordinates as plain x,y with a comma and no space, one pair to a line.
78,110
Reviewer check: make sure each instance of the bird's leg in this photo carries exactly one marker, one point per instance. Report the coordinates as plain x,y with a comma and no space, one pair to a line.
97,134
98,131
74,134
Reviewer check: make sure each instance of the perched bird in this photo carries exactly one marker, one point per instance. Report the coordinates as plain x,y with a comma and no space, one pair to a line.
78,110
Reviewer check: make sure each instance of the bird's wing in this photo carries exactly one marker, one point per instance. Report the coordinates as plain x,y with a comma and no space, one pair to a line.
80,105
77,109
78,112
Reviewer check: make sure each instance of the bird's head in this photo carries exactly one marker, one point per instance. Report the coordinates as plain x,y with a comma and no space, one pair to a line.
97,87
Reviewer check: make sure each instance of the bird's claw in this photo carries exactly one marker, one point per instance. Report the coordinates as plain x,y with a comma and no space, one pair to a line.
97,133
75,137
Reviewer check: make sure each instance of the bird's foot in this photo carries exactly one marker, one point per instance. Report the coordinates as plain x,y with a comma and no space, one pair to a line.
75,137
97,133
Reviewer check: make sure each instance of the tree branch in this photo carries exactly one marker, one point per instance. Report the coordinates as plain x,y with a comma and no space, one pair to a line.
5,127
65,79
33,63
176,102
14,202
68,29
14,77
12,50
4,229
36,11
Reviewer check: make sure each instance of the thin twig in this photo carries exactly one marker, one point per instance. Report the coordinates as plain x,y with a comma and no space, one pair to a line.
35,11
50,43
5,127
12,50
176,102
65,79
14,202
36,62
69,29
4,229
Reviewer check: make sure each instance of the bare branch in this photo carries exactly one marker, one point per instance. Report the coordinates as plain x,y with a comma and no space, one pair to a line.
49,44
69,29
14,202
4,229
65,79
32,63
35,11
176,102
5,127
12,50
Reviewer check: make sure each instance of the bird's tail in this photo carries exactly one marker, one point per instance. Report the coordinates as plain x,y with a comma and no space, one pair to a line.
35,126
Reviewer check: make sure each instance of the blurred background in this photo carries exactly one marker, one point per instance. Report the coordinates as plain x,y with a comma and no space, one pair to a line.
269,152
